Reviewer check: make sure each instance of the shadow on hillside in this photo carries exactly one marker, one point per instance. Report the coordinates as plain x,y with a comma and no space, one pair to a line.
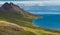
29,33
8,30
26,33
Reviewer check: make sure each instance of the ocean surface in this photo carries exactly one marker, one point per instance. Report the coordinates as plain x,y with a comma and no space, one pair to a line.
48,21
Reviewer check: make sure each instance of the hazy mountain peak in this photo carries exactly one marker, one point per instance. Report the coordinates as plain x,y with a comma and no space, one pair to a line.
8,5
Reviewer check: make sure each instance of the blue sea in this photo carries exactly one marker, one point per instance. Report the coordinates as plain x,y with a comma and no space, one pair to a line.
48,21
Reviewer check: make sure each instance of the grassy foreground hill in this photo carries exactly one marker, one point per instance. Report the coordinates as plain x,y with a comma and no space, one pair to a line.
16,21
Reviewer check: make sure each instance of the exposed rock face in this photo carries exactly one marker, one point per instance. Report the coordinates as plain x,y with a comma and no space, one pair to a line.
7,6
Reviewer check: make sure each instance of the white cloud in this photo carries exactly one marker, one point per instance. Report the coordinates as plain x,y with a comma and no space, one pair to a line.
31,3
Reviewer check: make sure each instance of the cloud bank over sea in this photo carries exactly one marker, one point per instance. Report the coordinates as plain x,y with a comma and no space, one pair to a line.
31,3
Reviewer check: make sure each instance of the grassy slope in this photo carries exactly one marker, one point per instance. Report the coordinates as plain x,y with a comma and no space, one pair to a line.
7,28
26,24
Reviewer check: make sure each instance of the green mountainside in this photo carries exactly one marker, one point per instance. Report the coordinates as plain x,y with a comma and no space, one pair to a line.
16,21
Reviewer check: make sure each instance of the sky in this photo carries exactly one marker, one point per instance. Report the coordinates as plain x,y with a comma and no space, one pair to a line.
29,0
24,0
33,2
39,3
